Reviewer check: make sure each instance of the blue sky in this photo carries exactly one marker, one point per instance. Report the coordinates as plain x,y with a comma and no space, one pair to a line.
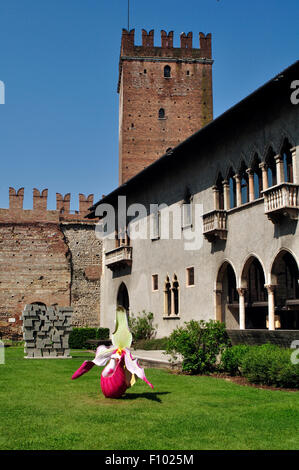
59,63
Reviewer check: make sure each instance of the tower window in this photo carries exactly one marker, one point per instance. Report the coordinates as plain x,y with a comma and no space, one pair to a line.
188,72
161,113
167,71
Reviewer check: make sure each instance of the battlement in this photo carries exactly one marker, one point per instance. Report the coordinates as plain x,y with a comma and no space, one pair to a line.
186,50
40,213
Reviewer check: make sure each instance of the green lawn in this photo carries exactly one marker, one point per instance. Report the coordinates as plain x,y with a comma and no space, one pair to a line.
41,408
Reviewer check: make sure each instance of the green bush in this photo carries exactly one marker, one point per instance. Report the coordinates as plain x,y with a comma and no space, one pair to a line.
199,344
79,336
270,365
231,358
141,326
103,333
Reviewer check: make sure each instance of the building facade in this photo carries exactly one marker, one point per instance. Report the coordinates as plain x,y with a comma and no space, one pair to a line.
165,95
232,190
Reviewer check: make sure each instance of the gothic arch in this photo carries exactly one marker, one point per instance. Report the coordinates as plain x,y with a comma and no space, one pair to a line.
285,277
283,137
229,168
221,271
270,146
167,296
254,150
242,162
279,254
246,265
226,295
175,295
253,289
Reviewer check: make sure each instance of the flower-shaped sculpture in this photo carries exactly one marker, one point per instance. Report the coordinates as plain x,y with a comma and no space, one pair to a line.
120,372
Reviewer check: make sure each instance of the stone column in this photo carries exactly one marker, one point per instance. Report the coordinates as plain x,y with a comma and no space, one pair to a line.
271,306
216,197
279,169
238,190
226,195
250,184
264,169
294,164
241,292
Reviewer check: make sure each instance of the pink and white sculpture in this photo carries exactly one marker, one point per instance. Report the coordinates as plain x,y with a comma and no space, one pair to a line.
119,374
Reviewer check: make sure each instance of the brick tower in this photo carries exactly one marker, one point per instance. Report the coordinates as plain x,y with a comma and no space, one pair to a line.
165,95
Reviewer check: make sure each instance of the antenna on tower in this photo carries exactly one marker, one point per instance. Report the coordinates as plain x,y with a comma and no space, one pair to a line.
128,15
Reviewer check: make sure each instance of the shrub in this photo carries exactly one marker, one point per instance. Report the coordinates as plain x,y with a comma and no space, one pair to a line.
141,326
103,333
231,358
270,365
79,336
199,344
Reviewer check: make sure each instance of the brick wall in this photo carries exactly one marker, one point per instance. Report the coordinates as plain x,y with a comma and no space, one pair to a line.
86,259
43,258
35,267
185,97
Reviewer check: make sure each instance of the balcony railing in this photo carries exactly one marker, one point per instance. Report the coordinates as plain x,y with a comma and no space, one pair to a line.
119,257
280,201
214,225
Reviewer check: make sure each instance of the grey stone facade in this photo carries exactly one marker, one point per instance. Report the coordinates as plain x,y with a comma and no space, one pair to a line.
46,331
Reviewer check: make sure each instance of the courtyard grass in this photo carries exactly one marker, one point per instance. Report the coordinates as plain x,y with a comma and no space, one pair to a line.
42,409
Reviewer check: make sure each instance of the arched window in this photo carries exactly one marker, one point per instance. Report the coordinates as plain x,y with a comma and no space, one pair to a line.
256,282
271,165
175,293
161,113
244,184
287,162
285,275
232,188
219,186
167,71
257,177
167,297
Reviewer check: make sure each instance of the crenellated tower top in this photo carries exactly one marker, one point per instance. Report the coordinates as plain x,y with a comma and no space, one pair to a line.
128,46
39,211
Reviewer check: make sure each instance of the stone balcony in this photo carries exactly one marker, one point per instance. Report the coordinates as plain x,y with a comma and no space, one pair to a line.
119,257
214,225
281,201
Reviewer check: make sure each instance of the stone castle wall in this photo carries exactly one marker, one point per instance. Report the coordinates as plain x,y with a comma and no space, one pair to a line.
48,257
86,263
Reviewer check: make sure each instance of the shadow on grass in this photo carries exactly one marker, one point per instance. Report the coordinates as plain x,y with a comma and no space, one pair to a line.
153,396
